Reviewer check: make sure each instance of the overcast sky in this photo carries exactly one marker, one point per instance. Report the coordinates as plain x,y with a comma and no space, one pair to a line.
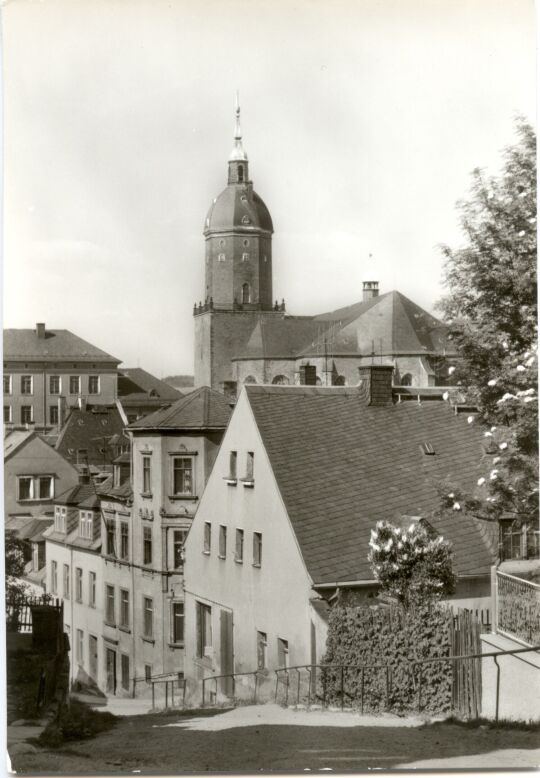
362,121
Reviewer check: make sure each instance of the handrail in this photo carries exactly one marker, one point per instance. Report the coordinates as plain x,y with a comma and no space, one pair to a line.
232,676
522,581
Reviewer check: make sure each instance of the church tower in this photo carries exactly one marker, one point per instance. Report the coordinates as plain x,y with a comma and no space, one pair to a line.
238,234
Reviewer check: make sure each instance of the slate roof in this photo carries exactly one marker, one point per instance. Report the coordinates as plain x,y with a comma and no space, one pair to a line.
202,409
341,466
232,206
136,384
56,345
280,336
81,493
14,439
90,430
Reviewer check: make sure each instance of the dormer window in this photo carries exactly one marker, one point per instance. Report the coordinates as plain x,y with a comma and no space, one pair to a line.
428,449
86,525
59,518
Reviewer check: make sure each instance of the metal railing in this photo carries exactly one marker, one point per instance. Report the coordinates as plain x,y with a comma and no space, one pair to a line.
19,611
517,608
168,680
416,668
232,676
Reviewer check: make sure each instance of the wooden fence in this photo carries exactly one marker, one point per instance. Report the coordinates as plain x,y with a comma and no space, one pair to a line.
465,629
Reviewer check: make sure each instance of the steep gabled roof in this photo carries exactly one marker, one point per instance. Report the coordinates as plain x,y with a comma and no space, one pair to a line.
15,439
341,466
55,345
135,384
202,409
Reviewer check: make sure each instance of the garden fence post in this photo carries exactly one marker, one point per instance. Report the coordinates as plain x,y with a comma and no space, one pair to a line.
342,689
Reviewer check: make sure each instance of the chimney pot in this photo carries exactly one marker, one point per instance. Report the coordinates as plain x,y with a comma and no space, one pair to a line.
40,330
370,290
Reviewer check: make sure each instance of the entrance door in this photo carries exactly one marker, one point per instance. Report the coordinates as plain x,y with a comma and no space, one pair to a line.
226,651
93,656
110,664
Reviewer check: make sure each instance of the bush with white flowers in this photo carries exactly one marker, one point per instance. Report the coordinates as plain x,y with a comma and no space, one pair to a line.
412,565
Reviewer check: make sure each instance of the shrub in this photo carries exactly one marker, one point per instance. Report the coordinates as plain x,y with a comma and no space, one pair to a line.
77,722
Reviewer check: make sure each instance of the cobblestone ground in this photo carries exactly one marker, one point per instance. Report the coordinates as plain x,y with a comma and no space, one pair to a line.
142,744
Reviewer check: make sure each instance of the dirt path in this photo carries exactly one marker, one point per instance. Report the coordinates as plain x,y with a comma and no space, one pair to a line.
141,744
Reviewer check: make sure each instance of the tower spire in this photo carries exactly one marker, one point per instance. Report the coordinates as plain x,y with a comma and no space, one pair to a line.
238,153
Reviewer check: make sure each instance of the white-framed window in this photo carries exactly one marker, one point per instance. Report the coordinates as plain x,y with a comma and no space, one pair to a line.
245,257
124,540
74,384
7,414
93,384
110,606
27,384
54,577
257,549
179,538
222,541
92,582
55,384
8,384
27,414
124,608
53,414
79,647
182,475
86,524
110,537
35,487
262,650
66,582
147,545
177,622
204,629
239,546
207,540
60,513
147,474
148,617
78,584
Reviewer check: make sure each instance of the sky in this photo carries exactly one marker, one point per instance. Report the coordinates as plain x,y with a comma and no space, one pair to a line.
362,120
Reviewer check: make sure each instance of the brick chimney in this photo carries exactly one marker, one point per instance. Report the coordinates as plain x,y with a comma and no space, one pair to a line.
308,375
84,475
40,330
376,384
370,290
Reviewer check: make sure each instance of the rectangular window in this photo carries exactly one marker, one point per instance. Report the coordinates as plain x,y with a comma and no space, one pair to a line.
110,610
92,589
207,537
93,384
124,540
59,518
250,459
148,617
26,487
182,475
147,481
66,582
124,608
78,584
233,457
111,538
54,384
283,653
54,577
179,538
7,384
257,549
74,384
7,414
147,545
53,414
178,622
27,384
80,647
27,414
222,541
262,644
239,546
204,630
124,671
148,673
86,525
45,487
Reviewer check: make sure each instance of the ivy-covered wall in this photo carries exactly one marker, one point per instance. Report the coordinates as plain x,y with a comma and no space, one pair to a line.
392,637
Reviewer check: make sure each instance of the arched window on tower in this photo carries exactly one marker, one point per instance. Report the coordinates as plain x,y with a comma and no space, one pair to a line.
240,173
246,295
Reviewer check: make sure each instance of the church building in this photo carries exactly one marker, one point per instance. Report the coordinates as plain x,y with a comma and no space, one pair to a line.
243,336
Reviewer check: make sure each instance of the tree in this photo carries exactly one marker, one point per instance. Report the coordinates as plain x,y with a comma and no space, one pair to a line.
491,308
412,565
14,557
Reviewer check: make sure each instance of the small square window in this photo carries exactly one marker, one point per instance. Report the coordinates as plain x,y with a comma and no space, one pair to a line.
245,257
221,257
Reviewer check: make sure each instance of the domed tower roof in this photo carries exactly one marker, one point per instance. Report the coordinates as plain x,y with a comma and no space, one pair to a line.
238,208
